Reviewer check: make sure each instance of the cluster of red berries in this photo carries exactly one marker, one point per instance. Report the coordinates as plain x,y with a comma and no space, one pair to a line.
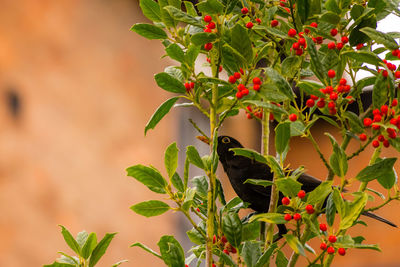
189,86
286,201
236,76
344,40
210,27
242,90
301,44
228,248
331,239
396,53
285,5
391,67
331,93
249,24
385,115
250,113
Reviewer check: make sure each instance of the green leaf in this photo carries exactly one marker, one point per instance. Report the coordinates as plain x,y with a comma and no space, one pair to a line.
311,88
264,183
201,38
276,218
119,263
345,241
174,51
179,15
316,64
150,208
100,249
235,53
373,247
232,228
338,159
282,137
266,256
88,247
330,17
194,157
201,184
65,258
297,128
379,92
281,260
250,231
355,122
171,159
161,111
295,244
191,54
303,9
189,196
266,106
225,258
191,10
319,193
169,83
251,252
363,56
388,180
70,240
195,236
176,181
147,249
249,153
171,251
380,38
288,186
81,238
151,10
280,82
374,171
211,7
353,210
241,42
149,31
165,16
291,65
149,177
330,210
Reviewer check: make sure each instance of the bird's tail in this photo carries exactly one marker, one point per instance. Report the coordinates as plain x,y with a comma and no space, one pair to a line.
379,218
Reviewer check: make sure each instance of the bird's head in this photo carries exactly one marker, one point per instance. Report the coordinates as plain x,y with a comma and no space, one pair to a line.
224,144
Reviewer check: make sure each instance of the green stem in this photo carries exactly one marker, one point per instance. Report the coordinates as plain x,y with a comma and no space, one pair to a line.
328,260
321,155
265,152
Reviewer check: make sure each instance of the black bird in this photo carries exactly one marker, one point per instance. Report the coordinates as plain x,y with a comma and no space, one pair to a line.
240,168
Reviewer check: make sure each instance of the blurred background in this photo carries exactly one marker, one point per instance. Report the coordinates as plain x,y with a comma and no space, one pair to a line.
76,90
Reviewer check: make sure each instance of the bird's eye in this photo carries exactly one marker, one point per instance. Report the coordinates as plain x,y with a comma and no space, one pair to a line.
226,140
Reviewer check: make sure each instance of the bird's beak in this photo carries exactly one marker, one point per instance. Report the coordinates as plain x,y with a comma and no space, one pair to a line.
203,139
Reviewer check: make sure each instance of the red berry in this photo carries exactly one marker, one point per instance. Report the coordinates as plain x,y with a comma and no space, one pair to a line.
293,117
211,25
271,116
256,80
332,111
331,250
239,95
207,18
223,239
363,137
314,24
207,30
331,105
395,101
314,97
296,46
307,30
274,23
333,96
287,217
214,239
241,87
241,71
321,103
249,25
345,39
376,112
187,86
375,143
232,79
297,217
310,209
393,121
302,41
384,109
342,251
331,74
256,87
226,251
258,20
319,39
192,85
310,103
331,45
376,126
332,238
299,52
301,194
395,52
208,46
367,122
292,32
385,73
245,92
386,143
377,118
322,246
339,46
397,74
245,10
342,81
323,227
381,138
359,46
213,265
220,68
334,32
236,75
285,201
